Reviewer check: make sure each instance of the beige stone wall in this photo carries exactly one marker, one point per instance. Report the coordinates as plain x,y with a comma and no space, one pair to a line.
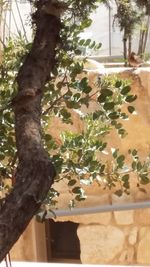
31,246
115,237
119,237
123,241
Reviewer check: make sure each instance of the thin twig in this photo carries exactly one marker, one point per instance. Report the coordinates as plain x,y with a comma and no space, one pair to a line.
58,99
53,104
93,94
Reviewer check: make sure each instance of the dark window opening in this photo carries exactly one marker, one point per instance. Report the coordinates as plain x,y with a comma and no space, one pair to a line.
62,241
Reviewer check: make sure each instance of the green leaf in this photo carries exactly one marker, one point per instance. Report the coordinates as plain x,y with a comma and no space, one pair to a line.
125,177
83,86
81,42
85,101
139,166
87,89
55,71
126,184
93,165
115,153
103,146
87,42
85,24
64,112
134,164
76,96
72,182
76,190
125,90
118,125
8,117
113,115
131,98
144,179
97,114
134,152
80,197
118,83
122,132
118,193
92,45
104,93
124,116
57,161
48,137
98,46
72,104
109,105
131,109
120,160
84,81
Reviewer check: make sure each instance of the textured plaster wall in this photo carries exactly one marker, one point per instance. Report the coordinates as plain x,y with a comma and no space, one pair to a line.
114,237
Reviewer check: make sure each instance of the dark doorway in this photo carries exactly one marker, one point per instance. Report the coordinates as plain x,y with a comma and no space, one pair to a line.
62,241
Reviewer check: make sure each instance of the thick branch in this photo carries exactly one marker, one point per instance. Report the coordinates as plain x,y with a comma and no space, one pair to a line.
35,173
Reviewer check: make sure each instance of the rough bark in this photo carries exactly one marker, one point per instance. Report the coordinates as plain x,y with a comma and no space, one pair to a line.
129,45
125,48
146,34
35,172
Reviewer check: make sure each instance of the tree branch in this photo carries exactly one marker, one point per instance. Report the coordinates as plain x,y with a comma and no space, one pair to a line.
35,172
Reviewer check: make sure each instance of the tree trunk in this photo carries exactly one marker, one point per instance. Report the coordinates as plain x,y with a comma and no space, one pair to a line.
143,37
35,172
129,45
125,48
146,34
140,49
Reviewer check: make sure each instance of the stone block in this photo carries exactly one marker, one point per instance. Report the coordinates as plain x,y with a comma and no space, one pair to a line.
143,252
127,256
142,216
132,239
123,217
100,244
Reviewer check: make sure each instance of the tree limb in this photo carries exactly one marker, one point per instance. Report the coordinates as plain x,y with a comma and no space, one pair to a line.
35,172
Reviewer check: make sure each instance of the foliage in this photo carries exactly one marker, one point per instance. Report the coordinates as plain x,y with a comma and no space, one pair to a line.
144,4
12,59
79,159
127,16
